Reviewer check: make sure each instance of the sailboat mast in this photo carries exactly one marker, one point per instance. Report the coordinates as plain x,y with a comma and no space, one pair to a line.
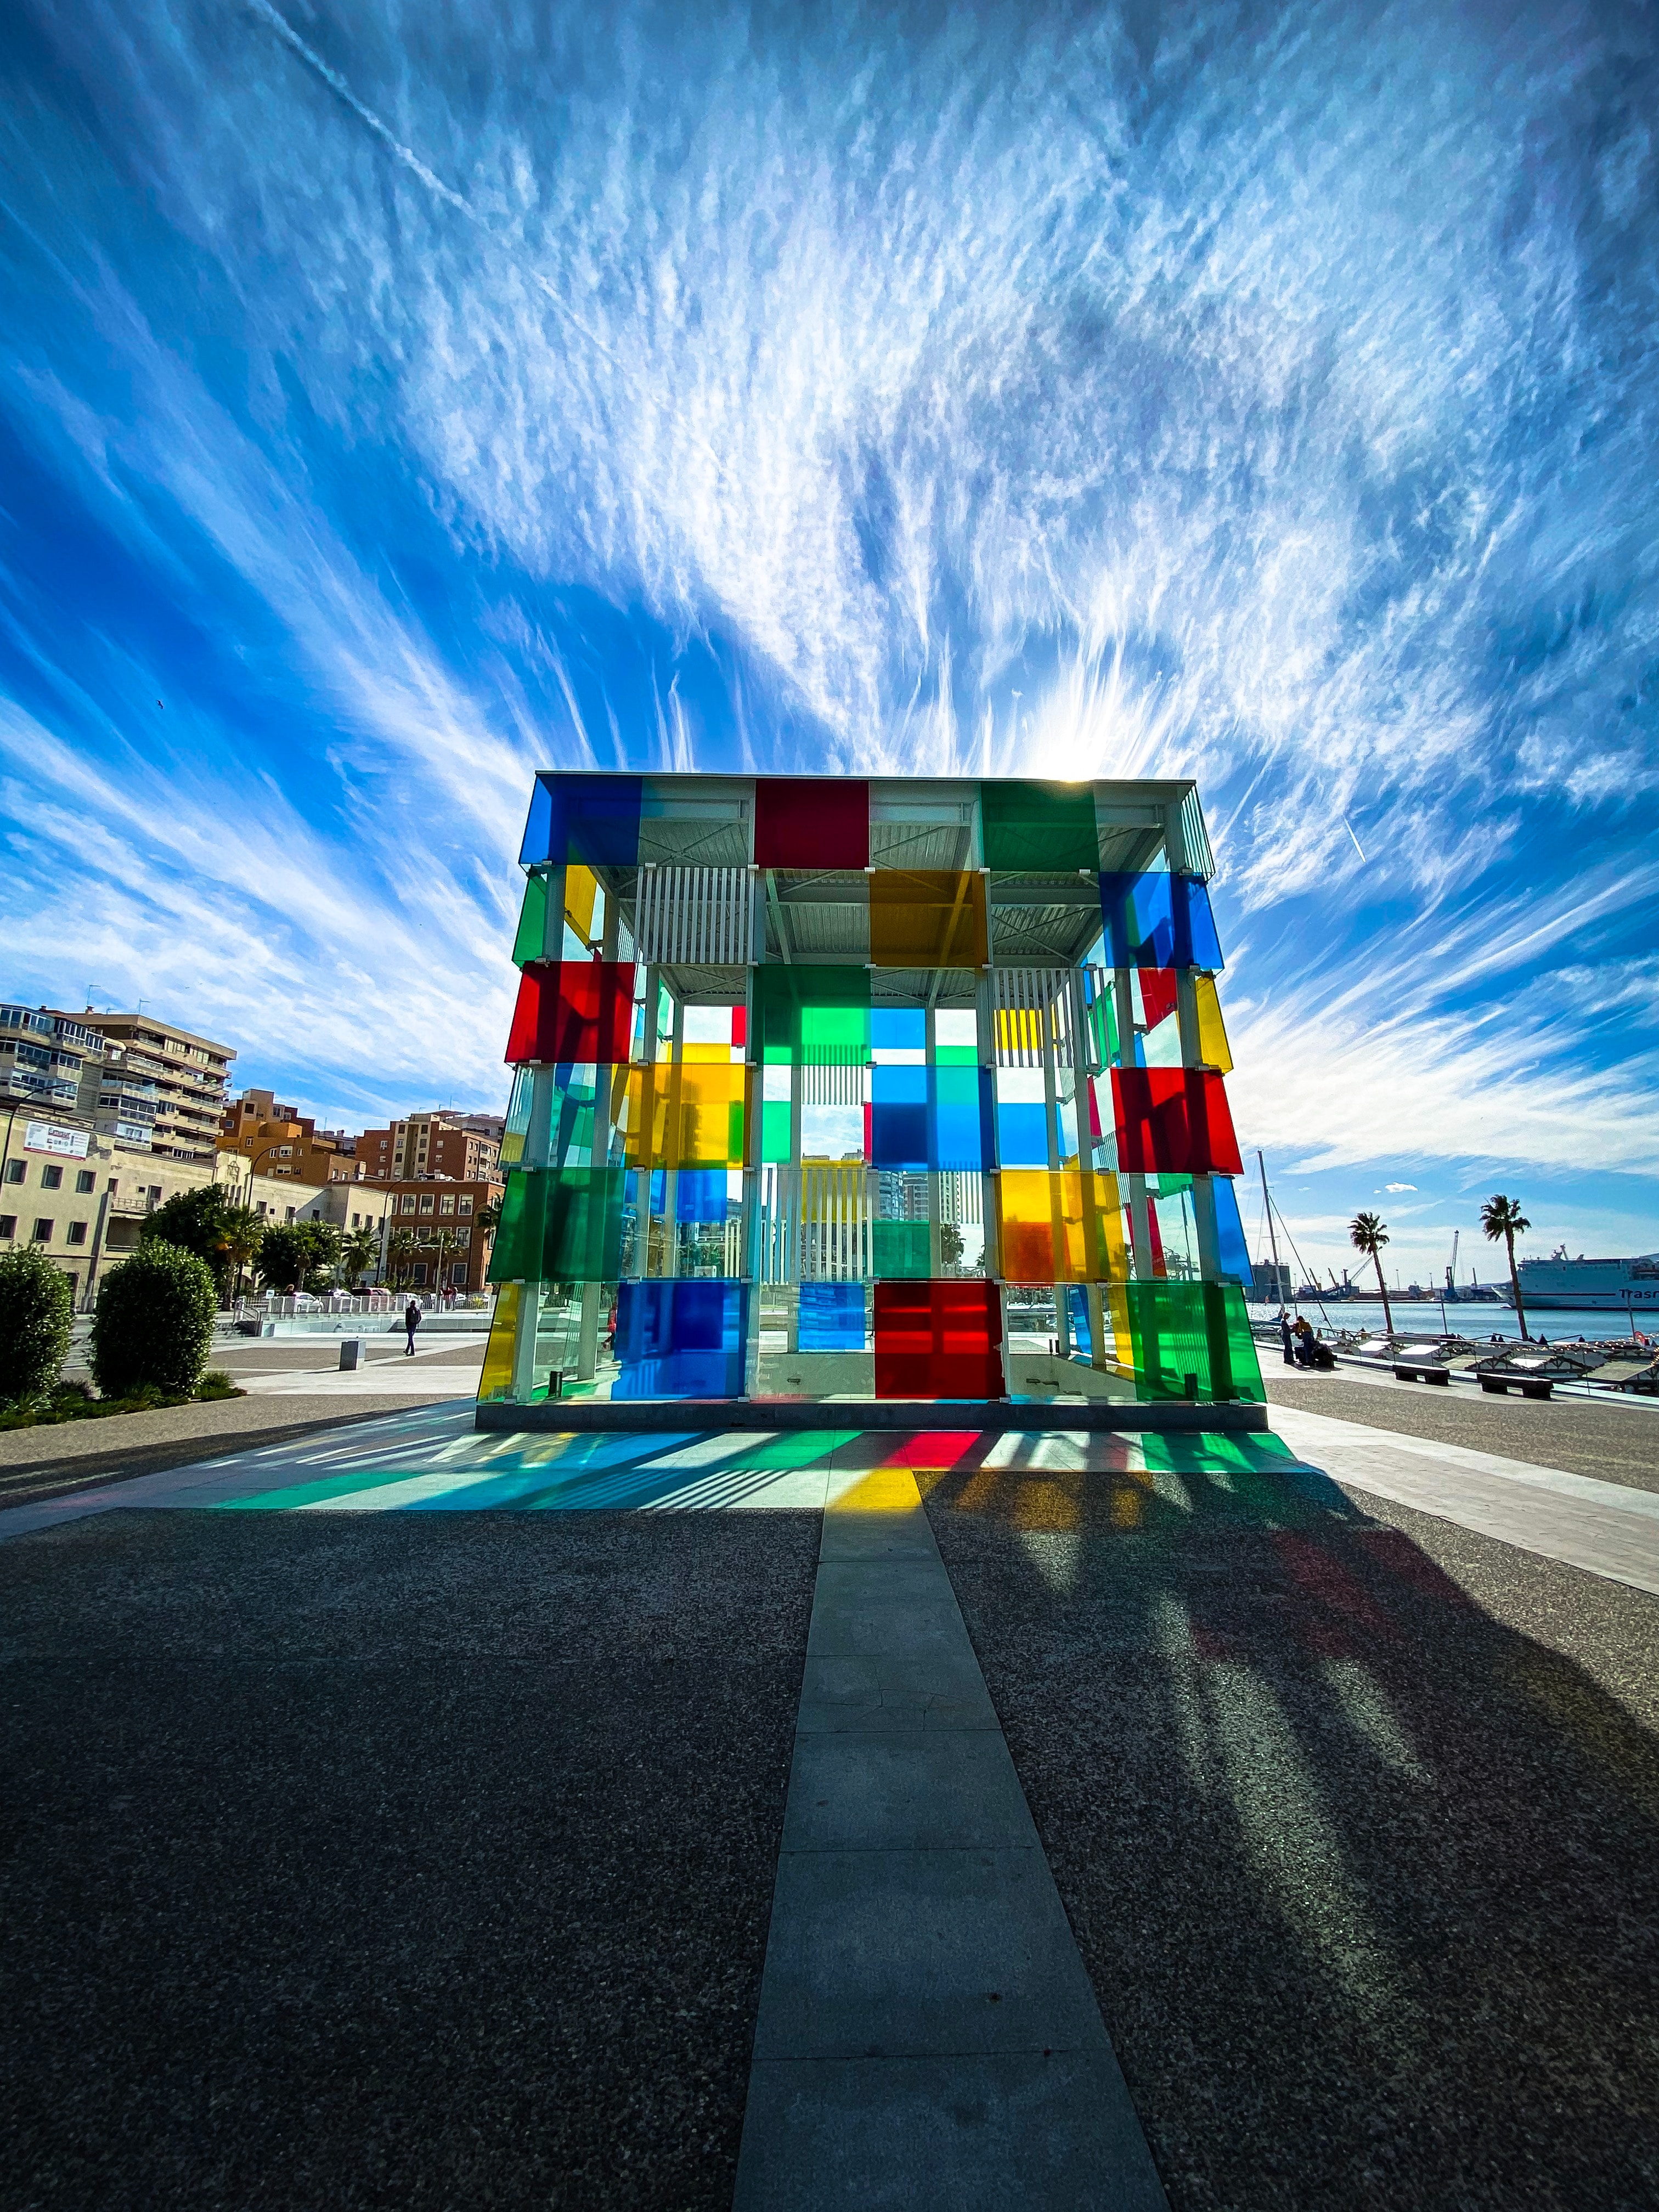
1272,1242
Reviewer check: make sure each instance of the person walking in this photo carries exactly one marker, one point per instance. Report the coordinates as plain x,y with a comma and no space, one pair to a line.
411,1322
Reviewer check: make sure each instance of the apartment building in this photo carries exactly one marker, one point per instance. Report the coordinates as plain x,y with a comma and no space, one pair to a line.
189,1074
462,1147
280,1141
45,1057
452,1247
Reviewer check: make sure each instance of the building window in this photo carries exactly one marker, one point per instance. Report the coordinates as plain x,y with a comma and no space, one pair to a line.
51,1178
15,1170
426,1203
463,1238
356,1220
84,1180
290,1214
465,1206
447,1204
420,1274
406,1203
457,1274
8,1224
43,1233
75,1233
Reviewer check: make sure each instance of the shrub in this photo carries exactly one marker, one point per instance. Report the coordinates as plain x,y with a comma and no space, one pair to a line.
218,1383
36,1308
153,1323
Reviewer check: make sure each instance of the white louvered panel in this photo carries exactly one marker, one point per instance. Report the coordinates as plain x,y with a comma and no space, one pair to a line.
1033,1007
824,1085
695,917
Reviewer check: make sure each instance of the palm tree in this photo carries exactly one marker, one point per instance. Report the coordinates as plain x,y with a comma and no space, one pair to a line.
360,1251
400,1256
237,1239
1369,1233
1502,1217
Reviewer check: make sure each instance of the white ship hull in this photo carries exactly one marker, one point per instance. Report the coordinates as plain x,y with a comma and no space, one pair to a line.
1588,1286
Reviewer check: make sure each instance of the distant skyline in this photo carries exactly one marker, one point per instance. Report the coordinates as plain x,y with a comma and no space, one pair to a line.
393,402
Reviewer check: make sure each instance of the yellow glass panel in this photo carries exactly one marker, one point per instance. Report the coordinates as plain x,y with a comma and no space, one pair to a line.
496,1380
1064,1228
1115,1300
1213,1049
1025,1213
581,888
1020,1028
927,918
1092,1214
697,1117
707,1055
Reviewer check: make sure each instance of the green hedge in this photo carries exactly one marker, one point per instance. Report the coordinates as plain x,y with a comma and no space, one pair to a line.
36,1308
153,1323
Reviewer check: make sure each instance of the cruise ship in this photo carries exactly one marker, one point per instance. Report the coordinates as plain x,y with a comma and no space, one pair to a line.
1598,1286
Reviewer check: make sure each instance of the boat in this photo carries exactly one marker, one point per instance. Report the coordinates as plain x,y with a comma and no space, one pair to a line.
1591,1285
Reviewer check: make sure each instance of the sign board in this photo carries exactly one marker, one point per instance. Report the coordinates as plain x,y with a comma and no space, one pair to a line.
52,1137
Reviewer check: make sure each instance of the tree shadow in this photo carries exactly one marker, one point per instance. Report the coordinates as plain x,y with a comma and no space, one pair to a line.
1364,1877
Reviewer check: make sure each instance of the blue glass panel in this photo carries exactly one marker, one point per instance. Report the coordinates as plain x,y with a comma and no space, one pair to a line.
898,1028
700,1195
680,1339
536,845
962,1114
898,1117
657,1194
1158,921
1023,1136
831,1317
1232,1250
1076,1300
595,819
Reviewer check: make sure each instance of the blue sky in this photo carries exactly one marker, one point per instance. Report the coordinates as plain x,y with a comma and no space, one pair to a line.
394,400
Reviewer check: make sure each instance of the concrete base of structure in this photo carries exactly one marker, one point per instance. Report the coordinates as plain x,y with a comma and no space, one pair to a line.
580,1416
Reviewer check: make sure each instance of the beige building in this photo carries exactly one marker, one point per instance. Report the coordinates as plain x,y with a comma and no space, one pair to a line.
82,1198
189,1074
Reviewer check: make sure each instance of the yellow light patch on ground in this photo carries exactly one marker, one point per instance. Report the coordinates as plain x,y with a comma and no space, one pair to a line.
882,1490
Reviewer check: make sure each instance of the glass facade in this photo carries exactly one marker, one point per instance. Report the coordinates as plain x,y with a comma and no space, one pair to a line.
849,1090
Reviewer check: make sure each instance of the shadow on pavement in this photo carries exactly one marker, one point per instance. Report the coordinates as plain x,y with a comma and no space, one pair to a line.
1366,1879
390,1859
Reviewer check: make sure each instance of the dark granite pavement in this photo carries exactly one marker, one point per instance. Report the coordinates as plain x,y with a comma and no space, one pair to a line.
1354,1815
415,1860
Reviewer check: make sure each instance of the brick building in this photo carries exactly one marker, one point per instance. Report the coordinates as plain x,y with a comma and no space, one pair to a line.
461,1146
452,1246
280,1141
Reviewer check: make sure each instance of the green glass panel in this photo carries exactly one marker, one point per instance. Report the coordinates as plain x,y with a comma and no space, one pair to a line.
899,1249
1192,1340
956,1055
561,1224
817,1013
774,1133
583,1240
516,1255
531,941
1043,826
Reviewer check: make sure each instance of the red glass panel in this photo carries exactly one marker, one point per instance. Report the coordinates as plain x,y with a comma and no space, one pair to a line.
1157,994
810,822
938,1340
1173,1121
574,1010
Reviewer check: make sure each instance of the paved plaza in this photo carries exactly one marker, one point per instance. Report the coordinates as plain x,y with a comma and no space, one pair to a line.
404,1815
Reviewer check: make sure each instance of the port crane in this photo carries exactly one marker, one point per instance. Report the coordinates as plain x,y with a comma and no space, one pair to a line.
1451,1267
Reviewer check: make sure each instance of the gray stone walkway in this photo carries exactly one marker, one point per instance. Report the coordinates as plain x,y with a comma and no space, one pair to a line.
927,2034
1606,1528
